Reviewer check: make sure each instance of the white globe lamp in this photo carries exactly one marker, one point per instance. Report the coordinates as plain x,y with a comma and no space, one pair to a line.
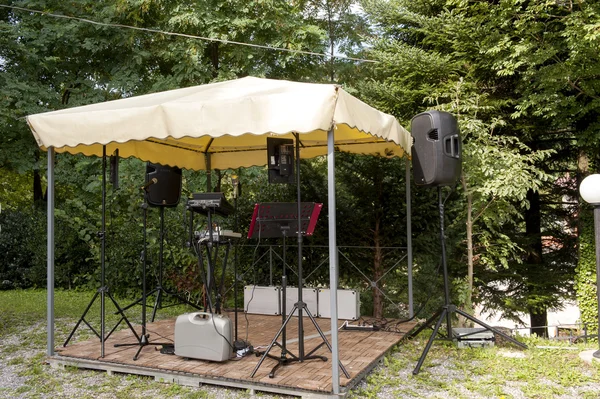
590,189
590,192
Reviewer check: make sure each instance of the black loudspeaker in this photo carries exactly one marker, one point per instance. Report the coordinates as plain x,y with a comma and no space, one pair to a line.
280,154
163,185
436,151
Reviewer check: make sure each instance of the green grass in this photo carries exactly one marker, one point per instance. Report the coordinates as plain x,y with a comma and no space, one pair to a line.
23,320
485,372
24,308
19,308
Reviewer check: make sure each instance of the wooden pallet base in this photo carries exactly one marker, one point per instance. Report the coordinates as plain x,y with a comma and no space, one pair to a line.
359,351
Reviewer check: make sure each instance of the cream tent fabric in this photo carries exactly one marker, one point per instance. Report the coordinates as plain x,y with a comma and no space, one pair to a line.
228,120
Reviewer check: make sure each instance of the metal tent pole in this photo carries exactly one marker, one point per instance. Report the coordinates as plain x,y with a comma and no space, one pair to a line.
333,263
102,258
411,311
50,254
299,237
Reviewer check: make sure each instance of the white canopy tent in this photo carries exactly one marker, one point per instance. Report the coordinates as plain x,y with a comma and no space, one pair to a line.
224,125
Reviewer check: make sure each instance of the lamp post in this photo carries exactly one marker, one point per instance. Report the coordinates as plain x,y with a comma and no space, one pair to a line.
590,192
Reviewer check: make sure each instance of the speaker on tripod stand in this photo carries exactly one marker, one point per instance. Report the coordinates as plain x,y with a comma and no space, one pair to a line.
437,162
162,189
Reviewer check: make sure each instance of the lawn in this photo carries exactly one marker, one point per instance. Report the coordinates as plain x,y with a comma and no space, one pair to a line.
448,372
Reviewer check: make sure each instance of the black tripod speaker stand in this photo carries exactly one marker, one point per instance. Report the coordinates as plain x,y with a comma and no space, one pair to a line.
103,291
160,291
143,340
446,311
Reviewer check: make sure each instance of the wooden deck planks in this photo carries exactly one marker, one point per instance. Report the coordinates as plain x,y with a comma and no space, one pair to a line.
359,351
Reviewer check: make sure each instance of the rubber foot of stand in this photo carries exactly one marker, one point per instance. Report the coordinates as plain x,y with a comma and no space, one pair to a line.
240,344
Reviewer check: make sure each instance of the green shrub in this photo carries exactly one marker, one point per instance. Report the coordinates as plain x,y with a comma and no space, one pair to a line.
23,249
19,248
585,279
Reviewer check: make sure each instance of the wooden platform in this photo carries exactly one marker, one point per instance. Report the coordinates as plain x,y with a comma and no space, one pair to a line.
360,351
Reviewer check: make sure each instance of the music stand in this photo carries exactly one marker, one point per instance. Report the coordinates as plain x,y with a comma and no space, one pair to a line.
274,220
271,219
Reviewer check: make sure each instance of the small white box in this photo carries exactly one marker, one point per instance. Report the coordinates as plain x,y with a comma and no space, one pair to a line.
309,296
262,300
348,304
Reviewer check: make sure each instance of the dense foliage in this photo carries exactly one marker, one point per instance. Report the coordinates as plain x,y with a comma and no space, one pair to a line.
513,72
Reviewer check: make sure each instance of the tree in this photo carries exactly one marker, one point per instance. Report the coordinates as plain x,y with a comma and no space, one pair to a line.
49,63
428,50
175,62
74,62
499,172
370,212
69,64
345,29
552,48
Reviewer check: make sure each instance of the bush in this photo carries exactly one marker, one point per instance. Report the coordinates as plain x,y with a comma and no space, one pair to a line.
585,279
20,248
23,249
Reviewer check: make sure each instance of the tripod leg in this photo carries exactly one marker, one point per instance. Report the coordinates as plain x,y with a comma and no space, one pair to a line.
219,289
123,317
492,329
132,304
138,301
325,341
204,276
137,354
82,318
114,329
283,305
157,304
185,301
426,324
430,342
264,356
316,348
280,363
